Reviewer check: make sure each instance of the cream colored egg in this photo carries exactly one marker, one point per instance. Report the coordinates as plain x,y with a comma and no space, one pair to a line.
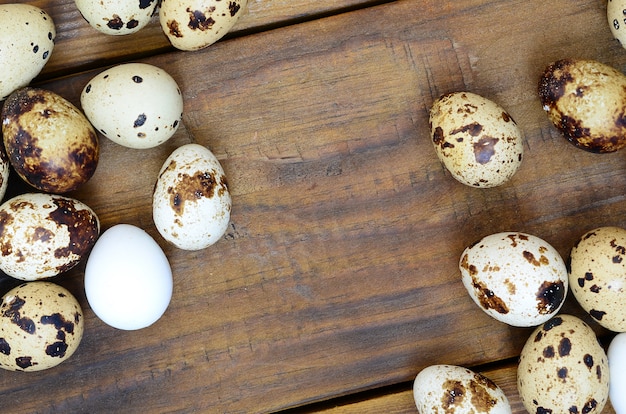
477,141
563,369
451,389
41,325
43,235
195,24
616,16
26,45
597,275
136,105
191,202
516,278
117,17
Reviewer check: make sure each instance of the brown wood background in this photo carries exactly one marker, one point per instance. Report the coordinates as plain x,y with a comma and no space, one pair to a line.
337,280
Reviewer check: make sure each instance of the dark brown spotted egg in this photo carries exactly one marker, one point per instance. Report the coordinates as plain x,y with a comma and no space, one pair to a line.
477,141
563,369
191,201
195,24
136,105
26,45
43,235
586,101
597,276
41,325
616,16
516,278
50,143
453,389
117,17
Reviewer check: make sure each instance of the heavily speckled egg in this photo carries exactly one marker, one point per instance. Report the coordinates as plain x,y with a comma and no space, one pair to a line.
136,105
563,369
43,235
616,16
196,24
191,201
449,389
50,143
128,280
617,368
477,141
26,44
116,17
516,278
586,101
41,325
597,275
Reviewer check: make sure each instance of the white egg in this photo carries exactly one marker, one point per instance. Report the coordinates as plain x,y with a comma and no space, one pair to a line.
117,17
128,279
26,44
136,105
191,201
516,278
617,372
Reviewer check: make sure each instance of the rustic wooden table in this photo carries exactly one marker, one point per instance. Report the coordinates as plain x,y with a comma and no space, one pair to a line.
337,280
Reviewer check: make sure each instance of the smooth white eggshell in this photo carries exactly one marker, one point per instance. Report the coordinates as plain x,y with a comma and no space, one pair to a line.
616,16
449,389
617,368
136,105
128,279
516,278
191,201
117,17
26,44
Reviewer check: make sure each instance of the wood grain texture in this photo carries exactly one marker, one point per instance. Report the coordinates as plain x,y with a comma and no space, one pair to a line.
339,271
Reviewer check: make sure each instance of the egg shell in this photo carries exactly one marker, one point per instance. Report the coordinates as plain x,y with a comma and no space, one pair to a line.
477,141
563,369
50,143
41,325
191,202
43,235
26,45
5,171
617,368
128,279
117,17
195,24
616,16
597,275
449,389
136,105
516,278
586,101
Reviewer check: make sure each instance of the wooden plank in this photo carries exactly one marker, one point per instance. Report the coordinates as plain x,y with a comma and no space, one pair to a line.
79,47
339,272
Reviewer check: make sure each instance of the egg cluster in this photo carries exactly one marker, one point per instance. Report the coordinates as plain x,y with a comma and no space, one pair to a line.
520,279
53,146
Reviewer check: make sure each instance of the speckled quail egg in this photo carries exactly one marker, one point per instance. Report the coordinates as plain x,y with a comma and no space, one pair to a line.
450,389
586,101
597,275
477,141
26,45
50,143
617,368
136,105
563,369
117,17
43,235
191,202
616,16
41,325
195,24
516,278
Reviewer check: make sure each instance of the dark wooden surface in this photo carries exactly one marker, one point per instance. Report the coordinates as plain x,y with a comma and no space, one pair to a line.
338,274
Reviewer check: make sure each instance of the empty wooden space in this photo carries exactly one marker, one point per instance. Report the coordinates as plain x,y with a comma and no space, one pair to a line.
337,280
